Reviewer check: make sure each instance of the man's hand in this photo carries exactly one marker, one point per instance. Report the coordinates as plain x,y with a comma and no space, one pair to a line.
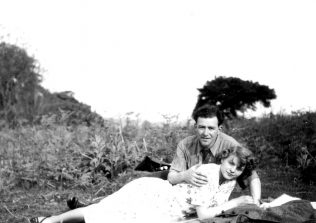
195,177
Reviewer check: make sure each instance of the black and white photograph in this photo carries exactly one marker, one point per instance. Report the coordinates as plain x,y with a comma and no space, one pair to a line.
134,111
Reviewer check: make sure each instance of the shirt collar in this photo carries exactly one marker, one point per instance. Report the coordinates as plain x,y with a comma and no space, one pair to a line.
211,147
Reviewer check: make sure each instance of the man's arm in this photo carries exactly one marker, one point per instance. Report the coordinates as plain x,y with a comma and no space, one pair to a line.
178,172
178,166
191,176
175,177
255,187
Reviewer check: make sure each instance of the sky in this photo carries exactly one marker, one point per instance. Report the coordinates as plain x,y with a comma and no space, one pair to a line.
150,57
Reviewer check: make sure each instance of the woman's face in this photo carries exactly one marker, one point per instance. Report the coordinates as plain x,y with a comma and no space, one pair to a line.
230,168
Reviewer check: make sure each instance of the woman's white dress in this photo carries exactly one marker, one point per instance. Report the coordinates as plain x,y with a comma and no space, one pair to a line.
150,199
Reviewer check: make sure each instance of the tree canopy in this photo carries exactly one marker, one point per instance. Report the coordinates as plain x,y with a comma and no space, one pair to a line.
23,98
19,78
232,94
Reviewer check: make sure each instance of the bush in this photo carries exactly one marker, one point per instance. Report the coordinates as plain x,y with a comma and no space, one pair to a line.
62,156
288,138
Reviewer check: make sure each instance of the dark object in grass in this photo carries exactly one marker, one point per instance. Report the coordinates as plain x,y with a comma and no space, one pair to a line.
74,203
157,168
309,174
35,220
152,165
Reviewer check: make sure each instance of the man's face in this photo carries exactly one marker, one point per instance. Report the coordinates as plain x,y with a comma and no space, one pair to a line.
207,130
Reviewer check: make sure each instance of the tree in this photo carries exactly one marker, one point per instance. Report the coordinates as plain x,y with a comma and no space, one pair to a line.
19,79
232,94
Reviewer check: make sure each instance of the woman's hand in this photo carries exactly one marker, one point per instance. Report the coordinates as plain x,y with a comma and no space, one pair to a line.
210,212
195,177
265,205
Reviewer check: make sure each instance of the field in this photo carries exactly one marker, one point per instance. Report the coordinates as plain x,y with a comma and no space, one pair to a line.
44,165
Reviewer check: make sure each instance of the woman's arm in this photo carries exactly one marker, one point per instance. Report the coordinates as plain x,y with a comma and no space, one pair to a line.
210,212
255,187
284,198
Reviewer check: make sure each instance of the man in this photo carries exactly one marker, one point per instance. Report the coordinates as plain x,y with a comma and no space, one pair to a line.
204,147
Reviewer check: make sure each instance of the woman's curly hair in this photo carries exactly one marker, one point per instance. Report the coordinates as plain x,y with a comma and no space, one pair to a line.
247,160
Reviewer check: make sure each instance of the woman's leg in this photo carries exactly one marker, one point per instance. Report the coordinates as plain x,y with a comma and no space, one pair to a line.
72,216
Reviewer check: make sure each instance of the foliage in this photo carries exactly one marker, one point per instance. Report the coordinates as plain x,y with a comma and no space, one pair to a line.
46,163
233,94
24,101
58,155
19,78
287,138
78,156
62,108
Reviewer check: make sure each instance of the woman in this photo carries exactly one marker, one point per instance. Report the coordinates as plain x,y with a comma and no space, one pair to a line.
156,200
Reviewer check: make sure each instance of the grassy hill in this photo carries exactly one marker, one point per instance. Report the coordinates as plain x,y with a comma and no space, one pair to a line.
62,155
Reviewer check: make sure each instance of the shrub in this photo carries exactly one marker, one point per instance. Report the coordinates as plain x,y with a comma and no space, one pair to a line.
62,156
289,138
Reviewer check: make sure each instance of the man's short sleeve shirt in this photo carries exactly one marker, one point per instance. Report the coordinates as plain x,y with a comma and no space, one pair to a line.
188,151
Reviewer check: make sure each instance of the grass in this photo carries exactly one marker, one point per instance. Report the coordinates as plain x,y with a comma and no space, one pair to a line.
277,179
42,166
21,203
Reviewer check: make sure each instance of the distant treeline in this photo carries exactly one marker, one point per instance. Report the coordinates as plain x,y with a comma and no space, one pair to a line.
24,101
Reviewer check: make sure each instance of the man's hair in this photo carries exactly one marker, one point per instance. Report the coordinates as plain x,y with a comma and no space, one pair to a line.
247,160
208,111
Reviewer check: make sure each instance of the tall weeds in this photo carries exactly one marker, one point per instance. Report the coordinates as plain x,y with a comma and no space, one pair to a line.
57,156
